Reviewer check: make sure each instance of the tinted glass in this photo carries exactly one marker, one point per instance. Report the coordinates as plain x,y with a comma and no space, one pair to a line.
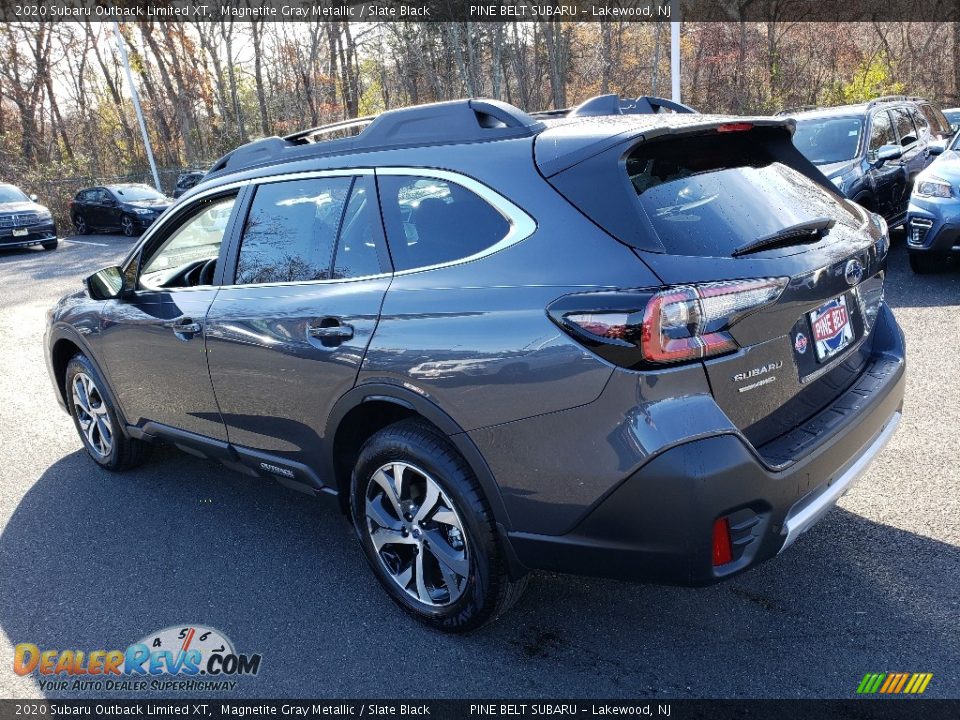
829,140
882,131
707,197
127,193
905,129
11,193
919,121
195,241
935,120
360,233
432,221
291,231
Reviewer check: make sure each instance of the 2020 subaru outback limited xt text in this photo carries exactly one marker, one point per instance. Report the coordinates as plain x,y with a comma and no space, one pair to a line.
651,347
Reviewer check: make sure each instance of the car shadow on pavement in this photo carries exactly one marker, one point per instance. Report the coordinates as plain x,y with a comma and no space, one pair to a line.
92,560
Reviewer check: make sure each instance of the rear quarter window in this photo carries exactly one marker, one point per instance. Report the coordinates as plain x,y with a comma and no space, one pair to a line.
430,221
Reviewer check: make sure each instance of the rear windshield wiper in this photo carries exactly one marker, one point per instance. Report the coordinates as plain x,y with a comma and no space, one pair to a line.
804,232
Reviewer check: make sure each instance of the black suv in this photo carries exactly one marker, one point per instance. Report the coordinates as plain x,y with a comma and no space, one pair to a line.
649,346
873,151
130,208
23,221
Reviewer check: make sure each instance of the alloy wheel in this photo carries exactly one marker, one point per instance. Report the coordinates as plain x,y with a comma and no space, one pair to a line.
80,224
417,534
92,414
127,225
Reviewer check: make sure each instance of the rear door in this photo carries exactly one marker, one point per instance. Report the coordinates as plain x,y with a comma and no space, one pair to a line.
288,331
888,180
915,152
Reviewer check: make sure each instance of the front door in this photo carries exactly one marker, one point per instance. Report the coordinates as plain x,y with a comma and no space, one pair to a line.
153,338
287,337
889,179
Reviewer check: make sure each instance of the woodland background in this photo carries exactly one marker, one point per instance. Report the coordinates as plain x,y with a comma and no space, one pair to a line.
66,119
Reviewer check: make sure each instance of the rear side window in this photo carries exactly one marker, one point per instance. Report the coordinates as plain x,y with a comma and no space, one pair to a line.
905,129
919,121
291,231
431,221
882,131
712,195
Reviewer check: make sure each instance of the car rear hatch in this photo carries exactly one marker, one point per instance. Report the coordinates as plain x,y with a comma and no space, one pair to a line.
770,278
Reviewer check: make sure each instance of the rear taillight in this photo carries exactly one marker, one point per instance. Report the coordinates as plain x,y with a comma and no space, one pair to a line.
637,328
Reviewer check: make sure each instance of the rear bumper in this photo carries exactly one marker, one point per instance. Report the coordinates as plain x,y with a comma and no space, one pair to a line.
657,525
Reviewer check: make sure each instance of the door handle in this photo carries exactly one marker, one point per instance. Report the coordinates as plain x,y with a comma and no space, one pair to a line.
183,326
331,329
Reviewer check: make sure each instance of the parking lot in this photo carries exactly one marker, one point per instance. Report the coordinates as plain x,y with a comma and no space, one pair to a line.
92,560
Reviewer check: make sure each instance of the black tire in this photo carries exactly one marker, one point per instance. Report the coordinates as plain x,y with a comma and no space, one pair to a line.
486,590
50,245
124,452
925,264
80,225
128,226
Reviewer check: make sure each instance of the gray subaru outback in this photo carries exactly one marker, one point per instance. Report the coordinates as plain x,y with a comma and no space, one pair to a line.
605,340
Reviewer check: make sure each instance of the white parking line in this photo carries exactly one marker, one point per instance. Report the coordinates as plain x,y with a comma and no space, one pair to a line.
86,242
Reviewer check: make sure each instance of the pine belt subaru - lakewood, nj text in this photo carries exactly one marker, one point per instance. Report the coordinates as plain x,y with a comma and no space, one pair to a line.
606,340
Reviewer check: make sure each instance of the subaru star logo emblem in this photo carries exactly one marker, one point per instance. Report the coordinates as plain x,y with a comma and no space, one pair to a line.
853,272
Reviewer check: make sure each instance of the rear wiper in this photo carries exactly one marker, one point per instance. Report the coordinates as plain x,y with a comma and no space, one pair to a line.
793,235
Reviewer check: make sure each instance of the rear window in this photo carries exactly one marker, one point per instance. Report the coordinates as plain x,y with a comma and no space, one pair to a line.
711,196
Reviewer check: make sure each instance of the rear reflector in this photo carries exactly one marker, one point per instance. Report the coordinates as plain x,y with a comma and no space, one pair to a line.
722,551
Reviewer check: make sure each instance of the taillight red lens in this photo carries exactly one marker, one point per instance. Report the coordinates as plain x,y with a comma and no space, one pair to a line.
722,549
689,322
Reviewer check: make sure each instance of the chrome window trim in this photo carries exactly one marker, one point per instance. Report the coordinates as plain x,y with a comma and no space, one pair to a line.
521,224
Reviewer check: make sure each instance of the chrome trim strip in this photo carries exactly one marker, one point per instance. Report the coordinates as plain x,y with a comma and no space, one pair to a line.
522,225
808,511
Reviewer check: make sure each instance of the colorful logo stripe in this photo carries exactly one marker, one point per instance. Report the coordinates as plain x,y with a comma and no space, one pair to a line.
894,683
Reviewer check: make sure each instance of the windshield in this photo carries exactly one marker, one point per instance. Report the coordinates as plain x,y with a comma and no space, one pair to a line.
132,193
829,140
11,193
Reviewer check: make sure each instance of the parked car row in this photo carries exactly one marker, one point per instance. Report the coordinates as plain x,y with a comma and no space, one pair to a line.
884,156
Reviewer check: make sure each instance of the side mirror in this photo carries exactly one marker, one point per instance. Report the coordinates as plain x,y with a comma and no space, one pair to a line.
887,153
33,197
937,147
105,284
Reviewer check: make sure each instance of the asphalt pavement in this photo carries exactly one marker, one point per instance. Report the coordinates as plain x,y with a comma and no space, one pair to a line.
93,560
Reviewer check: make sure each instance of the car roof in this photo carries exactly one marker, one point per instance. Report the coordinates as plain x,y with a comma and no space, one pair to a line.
854,109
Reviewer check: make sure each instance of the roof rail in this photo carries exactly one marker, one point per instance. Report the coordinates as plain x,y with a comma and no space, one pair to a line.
895,98
603,105
456,121
798,108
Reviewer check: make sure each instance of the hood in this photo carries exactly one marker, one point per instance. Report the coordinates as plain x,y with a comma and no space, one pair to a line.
946,167
23,206
832,170
158,204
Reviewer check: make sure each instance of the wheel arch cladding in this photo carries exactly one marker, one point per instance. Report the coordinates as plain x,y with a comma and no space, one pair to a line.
369,408
63,349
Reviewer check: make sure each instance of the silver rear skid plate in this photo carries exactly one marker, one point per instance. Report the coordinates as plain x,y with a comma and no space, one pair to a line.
810,509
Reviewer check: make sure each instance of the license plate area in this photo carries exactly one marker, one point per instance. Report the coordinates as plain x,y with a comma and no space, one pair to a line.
20,232
831,329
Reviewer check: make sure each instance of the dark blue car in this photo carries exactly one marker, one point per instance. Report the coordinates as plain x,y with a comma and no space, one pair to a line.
872,152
